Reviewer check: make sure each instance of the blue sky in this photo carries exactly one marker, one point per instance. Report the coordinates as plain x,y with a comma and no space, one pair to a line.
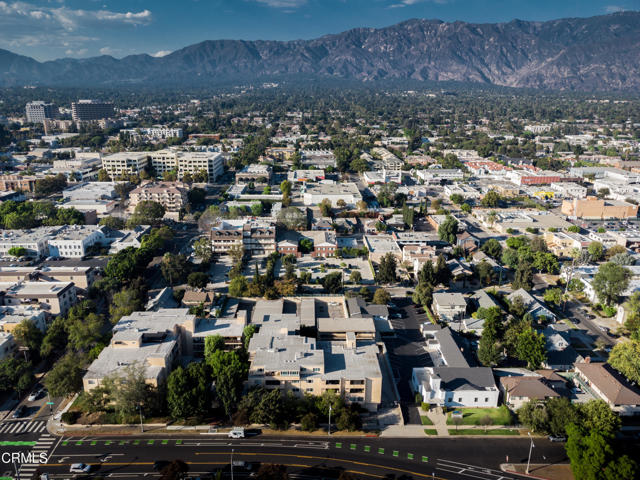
47,29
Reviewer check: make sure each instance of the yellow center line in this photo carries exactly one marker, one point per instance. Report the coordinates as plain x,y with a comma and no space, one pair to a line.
364,464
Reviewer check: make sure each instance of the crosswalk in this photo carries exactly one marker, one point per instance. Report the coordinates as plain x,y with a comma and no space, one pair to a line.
39,453
12,428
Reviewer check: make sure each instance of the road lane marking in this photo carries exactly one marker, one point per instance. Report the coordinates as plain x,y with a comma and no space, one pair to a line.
354,462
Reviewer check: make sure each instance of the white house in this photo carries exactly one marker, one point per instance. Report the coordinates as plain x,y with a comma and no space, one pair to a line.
449,306
456,386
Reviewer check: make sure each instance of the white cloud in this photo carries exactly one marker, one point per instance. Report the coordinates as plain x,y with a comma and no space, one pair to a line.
161,53
58,26
408,3
283,3
614,9
108,51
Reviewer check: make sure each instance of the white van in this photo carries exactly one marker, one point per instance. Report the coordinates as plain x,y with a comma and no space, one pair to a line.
237,433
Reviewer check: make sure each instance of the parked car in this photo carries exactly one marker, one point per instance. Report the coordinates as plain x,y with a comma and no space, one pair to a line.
557,439
35,395
20,411
236,433
80,468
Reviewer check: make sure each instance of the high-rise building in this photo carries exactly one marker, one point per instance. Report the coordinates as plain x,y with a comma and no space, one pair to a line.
87,110
39,111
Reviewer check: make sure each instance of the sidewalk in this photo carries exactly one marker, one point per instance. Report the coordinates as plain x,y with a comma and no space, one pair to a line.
439,420
560,471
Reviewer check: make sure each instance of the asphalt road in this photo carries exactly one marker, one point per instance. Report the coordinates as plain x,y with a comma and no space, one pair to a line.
574,310
406,349
321,457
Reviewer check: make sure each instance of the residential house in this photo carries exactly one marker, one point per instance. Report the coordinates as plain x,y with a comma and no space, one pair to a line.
450,307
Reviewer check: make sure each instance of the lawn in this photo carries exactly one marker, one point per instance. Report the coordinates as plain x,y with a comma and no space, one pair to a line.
474,431
430,431
425,420
477,416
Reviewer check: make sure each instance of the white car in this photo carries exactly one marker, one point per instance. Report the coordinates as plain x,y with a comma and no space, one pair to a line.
80,468
34,395
236,433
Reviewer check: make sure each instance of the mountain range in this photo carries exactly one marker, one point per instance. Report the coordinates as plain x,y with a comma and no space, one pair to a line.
585,54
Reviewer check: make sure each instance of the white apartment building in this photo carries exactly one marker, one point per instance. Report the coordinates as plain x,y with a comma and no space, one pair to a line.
125,163
168,160
569,190
157,132
74,241
436,174
349,192
35,244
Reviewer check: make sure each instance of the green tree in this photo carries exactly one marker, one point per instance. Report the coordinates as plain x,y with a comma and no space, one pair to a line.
596,250
456,199
65,377
128,390
103,176
17,251
325,207
523,277
492,248
86,332
625,357
309,422
442,272
530,348
256,209
147,212
593,458
189,391
381,297
212,344
491,199
553,296
238,286
488,351
15,374
198,279
355,276
485,272
203,249
247,333
26,334
174,268
448,230
610,281
115,223
55,340
125,302
597,415
292,218
332,282
387,269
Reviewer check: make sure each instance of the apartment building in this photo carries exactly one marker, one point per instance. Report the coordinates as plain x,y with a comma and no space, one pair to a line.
171,195
432,175
82,277
32,241
318,159
258,237
592,208
157,132
158,340
304,366
89,110
23,183
255,174
563,244
348,192
125,163
8,346
187,162
39,111
55,298
74,241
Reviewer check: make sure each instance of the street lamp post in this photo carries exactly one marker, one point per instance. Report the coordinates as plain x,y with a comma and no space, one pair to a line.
329,431
530,450
141,425
232,464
